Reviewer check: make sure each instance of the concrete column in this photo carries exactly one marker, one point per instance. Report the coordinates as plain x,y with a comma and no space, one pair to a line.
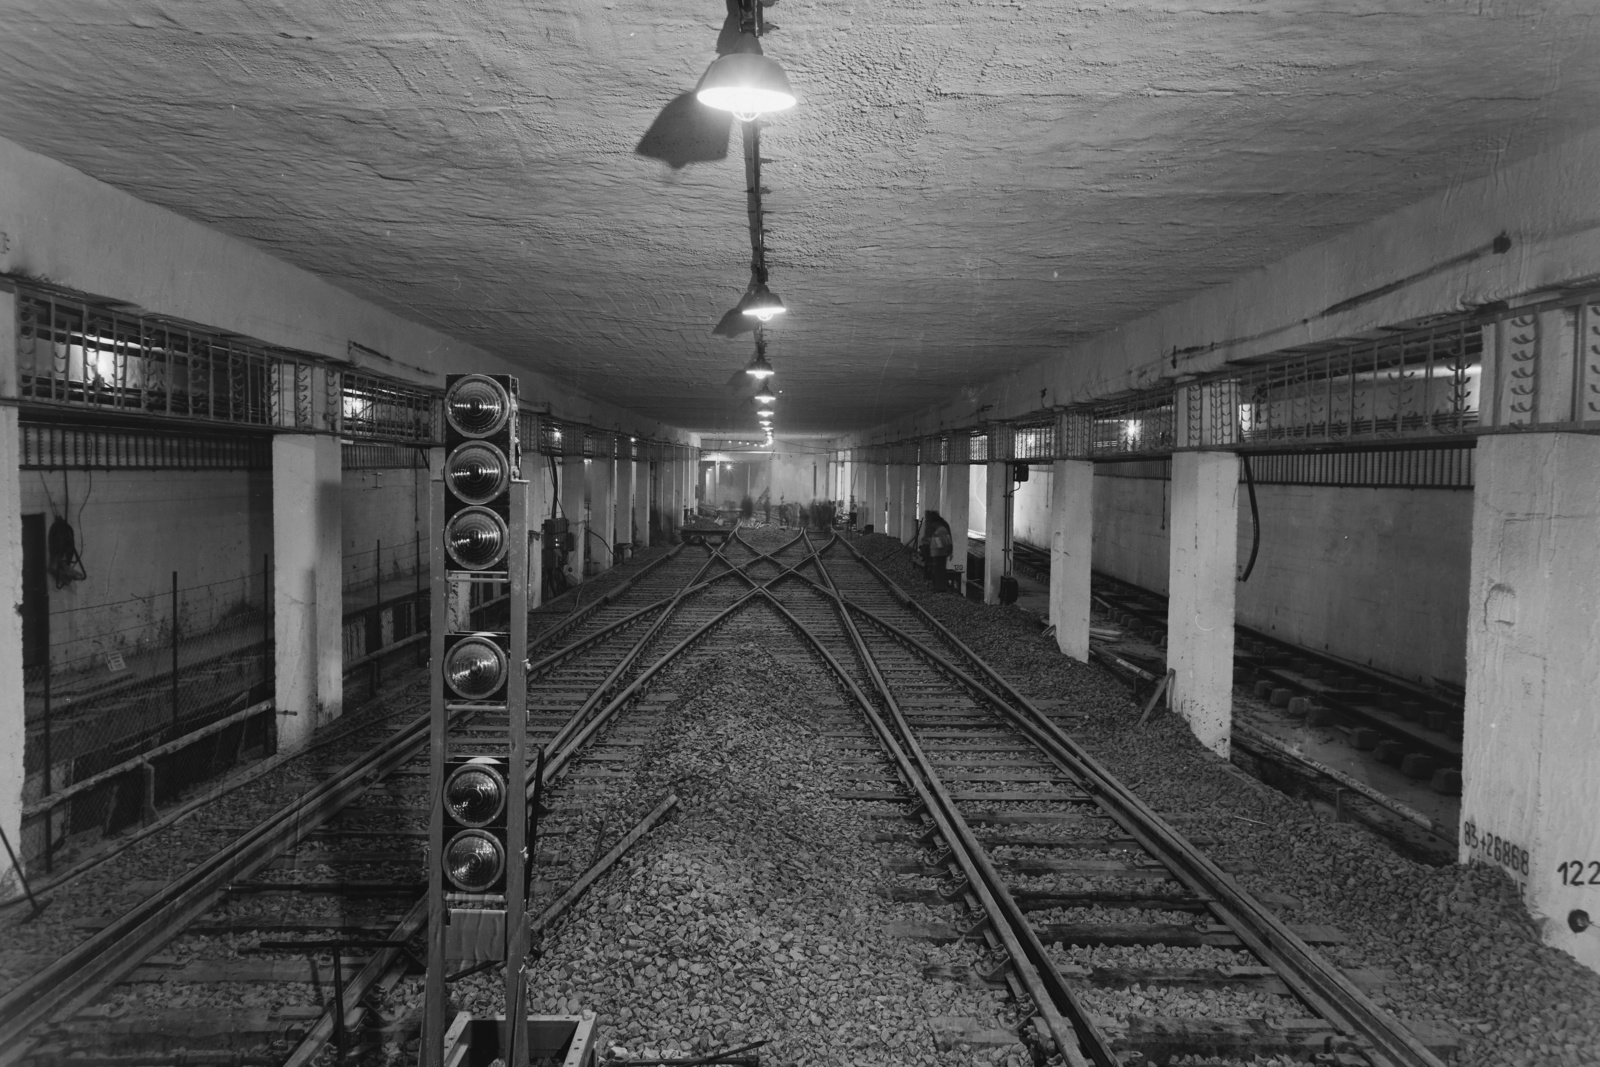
901,488
997,506
308,603
13,730
953,501
1531,800
1203,552
1071,549
622,527
602,478
671,512
870,507
574,491
641,503
927,490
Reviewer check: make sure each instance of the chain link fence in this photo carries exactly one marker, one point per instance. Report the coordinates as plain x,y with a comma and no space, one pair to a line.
135,701
132,678
385,614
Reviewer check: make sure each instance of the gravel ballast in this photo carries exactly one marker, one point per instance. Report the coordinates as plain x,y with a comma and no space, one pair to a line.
755,912
1461,949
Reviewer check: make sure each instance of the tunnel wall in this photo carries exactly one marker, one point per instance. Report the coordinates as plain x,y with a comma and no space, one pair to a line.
1030,508
390,506
1377,576
133,529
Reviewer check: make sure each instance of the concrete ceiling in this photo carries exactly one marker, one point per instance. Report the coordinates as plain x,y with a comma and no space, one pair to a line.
966,186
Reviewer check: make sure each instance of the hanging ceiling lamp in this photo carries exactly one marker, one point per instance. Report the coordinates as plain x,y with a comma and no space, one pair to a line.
746,83
759,367
764,414
765,395
761,303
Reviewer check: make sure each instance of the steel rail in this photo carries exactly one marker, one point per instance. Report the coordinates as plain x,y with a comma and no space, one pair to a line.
1321,986
82,975
387,961
77,978
384,961
575,722
574,735
1448,753
1066,1019
579,615
577,646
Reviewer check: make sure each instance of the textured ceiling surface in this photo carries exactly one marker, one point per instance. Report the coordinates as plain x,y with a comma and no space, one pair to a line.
966,186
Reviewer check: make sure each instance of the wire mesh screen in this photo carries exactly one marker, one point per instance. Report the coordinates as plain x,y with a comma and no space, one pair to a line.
60,447
1136,425
381,410
1389,468
1412,468
361,456
1035,440
121,678
72,353
1423,382
386,596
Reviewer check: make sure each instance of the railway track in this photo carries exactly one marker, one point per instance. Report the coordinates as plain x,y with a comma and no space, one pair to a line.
1043,860
342,863
1415,729
967,750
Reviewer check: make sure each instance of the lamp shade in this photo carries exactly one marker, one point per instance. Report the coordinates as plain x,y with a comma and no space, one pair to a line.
746,84
765,395
762,303
759,367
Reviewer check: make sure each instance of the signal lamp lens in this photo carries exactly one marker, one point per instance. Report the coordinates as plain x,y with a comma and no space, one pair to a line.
474,668
476,538
475,794
477,473
477,406
473,861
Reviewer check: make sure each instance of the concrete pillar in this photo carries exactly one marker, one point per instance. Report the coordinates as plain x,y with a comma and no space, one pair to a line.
675,486
602,477
641,503
1071,549
1203,552
870,508
953,506
902,492
997,507
1531,801
622,528
667,502
574,493
927,490
13,731
308,604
